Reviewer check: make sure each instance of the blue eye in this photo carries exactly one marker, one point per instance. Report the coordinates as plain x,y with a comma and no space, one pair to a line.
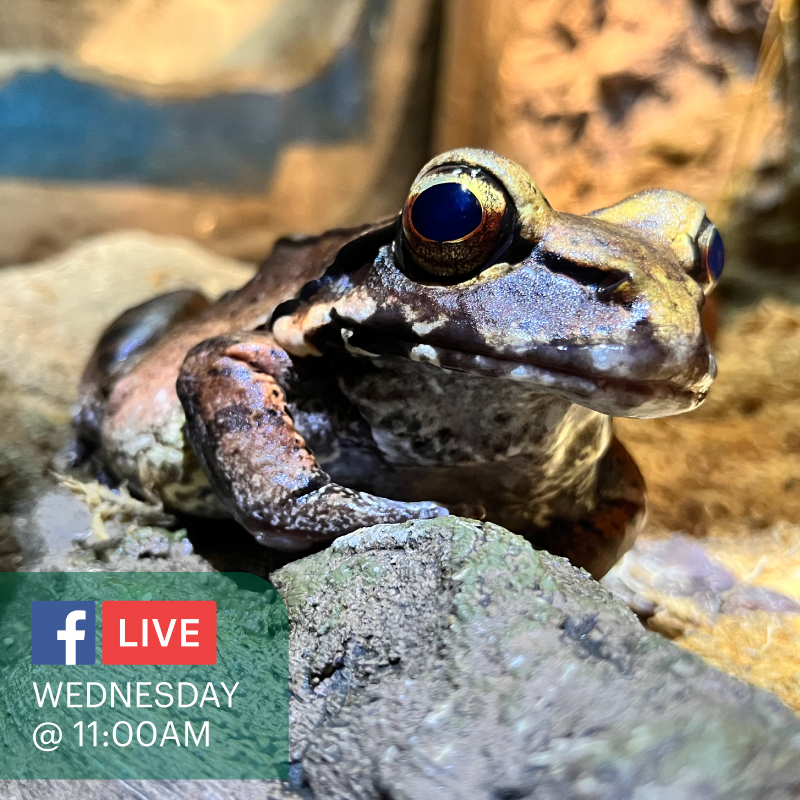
715,256
455,221
446,212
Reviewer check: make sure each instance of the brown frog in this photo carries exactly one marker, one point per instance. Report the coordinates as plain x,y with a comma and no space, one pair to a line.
465,357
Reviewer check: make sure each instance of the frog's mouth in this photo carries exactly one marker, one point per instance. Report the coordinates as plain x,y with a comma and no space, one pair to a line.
614,396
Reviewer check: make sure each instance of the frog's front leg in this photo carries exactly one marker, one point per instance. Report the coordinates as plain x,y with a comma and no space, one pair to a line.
231,388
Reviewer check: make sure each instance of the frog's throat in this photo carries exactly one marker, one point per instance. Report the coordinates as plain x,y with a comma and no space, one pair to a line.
616,397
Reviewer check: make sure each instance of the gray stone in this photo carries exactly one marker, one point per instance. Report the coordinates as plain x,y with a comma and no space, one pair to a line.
449,659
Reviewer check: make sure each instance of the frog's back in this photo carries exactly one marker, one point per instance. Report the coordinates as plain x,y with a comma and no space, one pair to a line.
296,261
293,263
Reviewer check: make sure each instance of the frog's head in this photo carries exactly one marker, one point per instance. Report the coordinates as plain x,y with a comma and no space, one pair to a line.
481,275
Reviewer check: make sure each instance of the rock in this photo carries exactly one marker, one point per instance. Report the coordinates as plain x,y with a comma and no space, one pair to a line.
447,658
676,566
136,790
52,315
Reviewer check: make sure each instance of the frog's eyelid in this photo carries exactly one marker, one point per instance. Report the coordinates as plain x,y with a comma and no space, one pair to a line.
706,236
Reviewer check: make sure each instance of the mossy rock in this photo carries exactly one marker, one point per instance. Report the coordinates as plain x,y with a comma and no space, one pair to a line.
447,658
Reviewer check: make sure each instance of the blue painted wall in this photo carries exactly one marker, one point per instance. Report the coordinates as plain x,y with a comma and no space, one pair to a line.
53,127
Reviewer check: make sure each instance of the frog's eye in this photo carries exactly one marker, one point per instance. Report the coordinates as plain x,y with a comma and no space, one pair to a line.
712,253
456,221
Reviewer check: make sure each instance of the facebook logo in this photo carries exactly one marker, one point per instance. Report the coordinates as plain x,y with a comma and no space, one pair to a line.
62,632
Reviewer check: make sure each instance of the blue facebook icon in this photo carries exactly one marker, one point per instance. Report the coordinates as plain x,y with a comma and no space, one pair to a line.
62,632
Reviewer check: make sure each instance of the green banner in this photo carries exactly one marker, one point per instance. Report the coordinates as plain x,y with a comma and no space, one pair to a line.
143,675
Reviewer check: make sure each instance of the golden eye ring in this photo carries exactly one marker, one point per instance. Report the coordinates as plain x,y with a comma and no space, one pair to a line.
455,220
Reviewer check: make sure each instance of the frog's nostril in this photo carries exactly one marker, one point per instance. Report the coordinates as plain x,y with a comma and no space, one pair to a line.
605,291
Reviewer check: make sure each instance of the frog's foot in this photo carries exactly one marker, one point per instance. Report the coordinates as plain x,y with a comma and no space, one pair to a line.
598,540
122,345
257,461
328,512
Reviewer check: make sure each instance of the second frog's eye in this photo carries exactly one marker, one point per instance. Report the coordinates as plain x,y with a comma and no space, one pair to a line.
456,221
712,254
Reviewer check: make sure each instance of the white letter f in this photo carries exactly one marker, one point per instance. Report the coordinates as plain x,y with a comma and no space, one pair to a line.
70,634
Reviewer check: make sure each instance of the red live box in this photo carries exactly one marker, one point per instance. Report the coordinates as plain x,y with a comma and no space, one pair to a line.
159,632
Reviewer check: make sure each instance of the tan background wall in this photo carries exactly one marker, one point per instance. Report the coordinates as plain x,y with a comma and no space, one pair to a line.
602,99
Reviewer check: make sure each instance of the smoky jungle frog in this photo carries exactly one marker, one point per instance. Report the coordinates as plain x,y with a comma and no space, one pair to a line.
465,357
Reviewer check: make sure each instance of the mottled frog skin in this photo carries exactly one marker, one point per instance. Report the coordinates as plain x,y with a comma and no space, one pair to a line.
465,357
